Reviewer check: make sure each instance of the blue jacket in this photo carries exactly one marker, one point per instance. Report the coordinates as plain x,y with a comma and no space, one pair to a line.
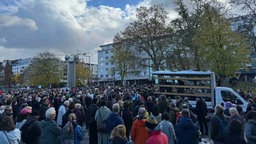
186,131
113,120
78,134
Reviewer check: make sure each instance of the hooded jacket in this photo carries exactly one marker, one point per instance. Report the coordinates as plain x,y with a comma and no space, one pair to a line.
186,131
139,133
13,136
50,132
113,120
250,131
157,137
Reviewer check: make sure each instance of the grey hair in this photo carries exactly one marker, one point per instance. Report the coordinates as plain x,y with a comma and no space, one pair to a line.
49,112
116,107
233,110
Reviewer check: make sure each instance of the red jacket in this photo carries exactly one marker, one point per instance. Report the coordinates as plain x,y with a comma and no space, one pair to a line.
139,133
157,137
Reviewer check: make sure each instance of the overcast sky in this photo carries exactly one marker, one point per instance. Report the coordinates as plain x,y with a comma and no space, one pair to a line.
30,27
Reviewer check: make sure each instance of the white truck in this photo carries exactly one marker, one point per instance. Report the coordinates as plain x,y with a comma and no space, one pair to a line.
193,84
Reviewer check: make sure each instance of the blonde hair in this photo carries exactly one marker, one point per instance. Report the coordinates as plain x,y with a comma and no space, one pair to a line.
72,117
118,131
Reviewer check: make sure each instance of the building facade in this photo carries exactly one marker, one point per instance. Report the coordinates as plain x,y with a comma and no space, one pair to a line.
20,65
108,74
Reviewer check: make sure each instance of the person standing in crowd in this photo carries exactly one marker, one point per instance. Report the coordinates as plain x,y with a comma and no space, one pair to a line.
68,112
8,111
155,136
68,130
167,128
234,115
219,125
33,131
8,133
22,116
43,107
250,102
149,105
201,112
118,135
91,123
235,135
114,118
250,128
128,118
172,110
228,105
50,129
61,111
156,114
78,132
185,129
102,114
162,104
78,112
139,133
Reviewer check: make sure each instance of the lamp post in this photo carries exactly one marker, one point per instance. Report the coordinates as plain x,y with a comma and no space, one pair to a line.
71,70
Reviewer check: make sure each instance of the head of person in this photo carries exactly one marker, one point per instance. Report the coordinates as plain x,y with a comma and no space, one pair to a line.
24,113
71,105
72,117
116,108
78,106
251,115
8,110
35,113
6,123
155,111
219,110
118,131
103,103
228,104
185,113
165,116
45,101
126,105
150,123
66,103
162,98
233,111
141,113
50,113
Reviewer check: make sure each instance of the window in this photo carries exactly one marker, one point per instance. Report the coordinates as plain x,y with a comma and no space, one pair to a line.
228,96
106,75
106,52
106,57
106,63
101,76
107,69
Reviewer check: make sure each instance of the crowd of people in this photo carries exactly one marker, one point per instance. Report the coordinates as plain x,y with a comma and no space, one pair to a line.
119,115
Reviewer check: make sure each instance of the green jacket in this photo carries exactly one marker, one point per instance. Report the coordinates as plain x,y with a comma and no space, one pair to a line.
50,132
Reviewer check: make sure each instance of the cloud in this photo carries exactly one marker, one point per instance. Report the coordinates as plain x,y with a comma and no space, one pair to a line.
61,27
29,27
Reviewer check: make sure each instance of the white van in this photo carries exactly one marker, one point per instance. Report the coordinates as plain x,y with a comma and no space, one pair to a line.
193,84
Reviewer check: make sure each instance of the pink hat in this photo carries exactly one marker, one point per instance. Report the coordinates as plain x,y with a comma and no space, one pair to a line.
25,110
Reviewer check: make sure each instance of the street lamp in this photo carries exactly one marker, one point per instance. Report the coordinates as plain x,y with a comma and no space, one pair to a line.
71,70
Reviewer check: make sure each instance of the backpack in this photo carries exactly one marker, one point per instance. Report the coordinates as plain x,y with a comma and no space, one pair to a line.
25,132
